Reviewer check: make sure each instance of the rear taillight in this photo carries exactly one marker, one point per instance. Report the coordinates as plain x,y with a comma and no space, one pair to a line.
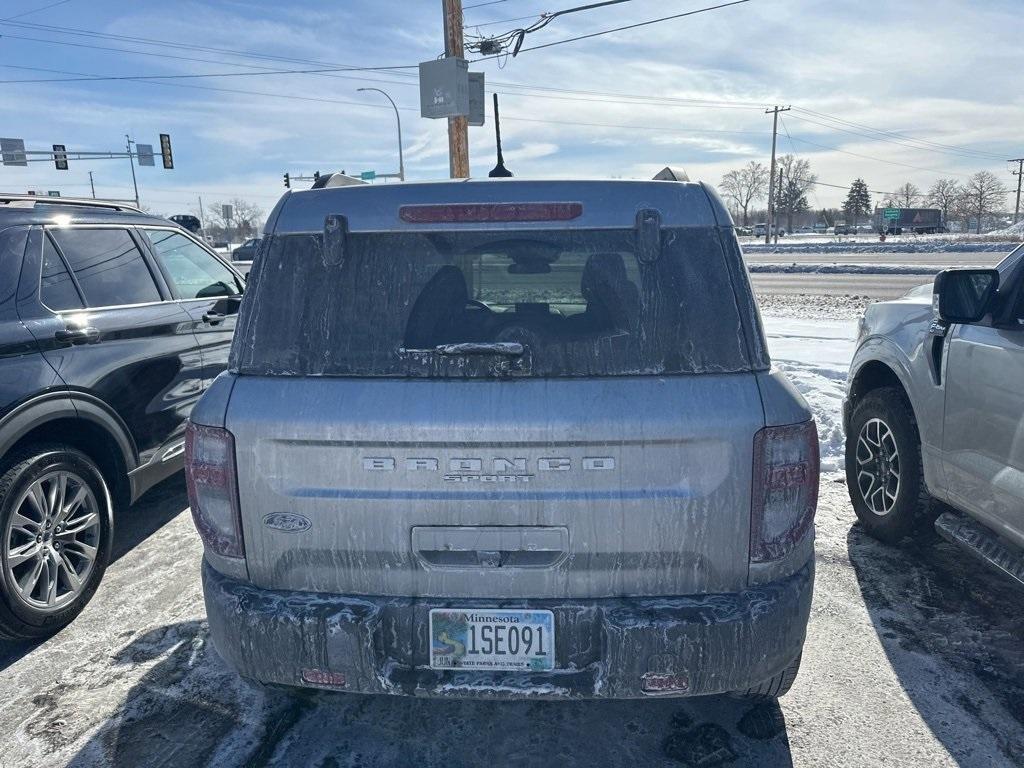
213,488
785,489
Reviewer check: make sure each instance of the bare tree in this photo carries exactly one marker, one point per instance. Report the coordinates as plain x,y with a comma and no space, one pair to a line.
795,181
745,185
246,217
984,194
908,195
943,195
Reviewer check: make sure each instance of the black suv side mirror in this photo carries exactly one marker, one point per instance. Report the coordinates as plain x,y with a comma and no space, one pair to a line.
965,295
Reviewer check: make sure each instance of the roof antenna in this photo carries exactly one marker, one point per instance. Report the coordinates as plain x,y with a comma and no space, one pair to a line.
498,171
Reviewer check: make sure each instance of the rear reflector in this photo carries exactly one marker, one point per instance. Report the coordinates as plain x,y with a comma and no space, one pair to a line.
463,213
785,489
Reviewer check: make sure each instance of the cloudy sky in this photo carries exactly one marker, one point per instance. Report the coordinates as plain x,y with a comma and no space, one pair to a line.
915,90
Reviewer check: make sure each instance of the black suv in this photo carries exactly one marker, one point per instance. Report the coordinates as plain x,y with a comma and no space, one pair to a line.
112,324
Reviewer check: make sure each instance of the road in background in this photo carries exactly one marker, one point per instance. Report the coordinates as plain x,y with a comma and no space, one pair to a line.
818,284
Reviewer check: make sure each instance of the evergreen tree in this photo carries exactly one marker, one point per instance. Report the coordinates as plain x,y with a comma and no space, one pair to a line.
858,201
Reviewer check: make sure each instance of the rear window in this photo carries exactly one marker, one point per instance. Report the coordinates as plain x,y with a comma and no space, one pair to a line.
526,303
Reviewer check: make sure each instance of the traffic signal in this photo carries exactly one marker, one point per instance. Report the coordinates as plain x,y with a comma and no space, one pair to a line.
165,150
288,181
316,176
60,157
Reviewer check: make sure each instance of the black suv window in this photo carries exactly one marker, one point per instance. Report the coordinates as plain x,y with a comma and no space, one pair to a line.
193,272
478,304
57,288
108,266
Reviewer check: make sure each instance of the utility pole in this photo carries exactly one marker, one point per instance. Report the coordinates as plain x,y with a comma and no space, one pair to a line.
458,127
780,193
1019,173
92,186
771,177
202,217
132,163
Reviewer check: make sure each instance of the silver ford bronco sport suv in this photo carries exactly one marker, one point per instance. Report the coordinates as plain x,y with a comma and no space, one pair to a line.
505,439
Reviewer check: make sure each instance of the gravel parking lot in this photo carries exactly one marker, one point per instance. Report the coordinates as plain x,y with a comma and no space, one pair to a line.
914,658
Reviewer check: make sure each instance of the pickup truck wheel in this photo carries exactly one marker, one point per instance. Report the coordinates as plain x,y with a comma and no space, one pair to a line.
55,539
883,466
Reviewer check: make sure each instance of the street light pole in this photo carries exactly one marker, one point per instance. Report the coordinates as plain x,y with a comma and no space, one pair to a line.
135,184
398,120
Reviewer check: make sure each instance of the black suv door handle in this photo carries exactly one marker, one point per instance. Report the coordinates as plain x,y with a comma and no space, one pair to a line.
213,318
86,335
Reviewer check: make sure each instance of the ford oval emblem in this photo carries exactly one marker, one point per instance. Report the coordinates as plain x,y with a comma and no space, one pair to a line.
287,522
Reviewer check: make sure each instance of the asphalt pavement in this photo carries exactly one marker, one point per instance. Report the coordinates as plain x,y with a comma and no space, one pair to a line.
913,658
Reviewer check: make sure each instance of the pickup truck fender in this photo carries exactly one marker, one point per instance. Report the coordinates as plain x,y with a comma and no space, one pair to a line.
879,361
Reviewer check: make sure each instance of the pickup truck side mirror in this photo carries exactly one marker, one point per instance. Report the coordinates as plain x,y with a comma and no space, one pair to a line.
965,295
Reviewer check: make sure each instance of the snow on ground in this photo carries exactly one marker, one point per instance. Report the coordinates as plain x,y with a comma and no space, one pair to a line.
916,246
847,269
815,354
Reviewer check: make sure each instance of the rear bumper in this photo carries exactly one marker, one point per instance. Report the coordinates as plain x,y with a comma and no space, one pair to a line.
707,643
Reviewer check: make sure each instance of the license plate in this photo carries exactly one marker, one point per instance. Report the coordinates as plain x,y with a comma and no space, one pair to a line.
492,640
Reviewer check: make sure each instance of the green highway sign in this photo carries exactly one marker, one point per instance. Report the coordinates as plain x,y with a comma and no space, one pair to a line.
891,214
368,175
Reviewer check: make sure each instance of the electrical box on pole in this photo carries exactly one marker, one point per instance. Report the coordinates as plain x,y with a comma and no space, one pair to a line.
477,113
165,150
444,88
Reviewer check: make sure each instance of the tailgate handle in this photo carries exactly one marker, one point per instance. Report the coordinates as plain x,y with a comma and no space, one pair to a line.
490,546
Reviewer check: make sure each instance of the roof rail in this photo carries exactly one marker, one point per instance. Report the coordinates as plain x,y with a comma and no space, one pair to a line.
82,201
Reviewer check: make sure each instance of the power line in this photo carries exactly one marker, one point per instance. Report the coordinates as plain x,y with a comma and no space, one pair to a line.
79,32
506,21
324,100
203,75
631,98
36,10
619,29
899,135
876,159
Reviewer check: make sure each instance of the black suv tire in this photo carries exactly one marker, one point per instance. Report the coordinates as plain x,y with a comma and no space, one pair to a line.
891,519
18,472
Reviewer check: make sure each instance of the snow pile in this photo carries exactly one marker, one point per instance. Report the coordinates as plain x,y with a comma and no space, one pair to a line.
924,246
815,355
847,269
1015,231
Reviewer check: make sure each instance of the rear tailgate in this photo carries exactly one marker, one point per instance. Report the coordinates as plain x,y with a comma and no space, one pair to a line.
619,486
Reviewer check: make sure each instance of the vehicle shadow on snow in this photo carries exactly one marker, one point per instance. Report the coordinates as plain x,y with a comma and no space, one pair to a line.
132,527
930,600
189,708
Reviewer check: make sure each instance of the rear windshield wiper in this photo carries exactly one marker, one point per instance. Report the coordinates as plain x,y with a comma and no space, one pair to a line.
465,349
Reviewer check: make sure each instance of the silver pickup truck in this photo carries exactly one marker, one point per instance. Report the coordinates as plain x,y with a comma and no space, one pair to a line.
505,439
935,414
